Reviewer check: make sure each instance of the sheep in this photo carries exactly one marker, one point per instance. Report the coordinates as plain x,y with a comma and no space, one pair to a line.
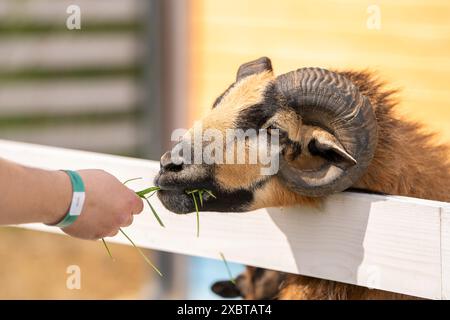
338,130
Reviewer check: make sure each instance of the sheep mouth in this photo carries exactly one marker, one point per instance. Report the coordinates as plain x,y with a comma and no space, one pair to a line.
181,201
176,197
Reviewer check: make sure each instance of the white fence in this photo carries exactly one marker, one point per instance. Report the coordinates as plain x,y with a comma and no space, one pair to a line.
392,243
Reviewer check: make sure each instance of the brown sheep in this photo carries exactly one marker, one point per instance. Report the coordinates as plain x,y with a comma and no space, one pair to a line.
337,130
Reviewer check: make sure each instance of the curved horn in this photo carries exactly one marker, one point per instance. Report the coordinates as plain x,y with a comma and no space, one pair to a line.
329,100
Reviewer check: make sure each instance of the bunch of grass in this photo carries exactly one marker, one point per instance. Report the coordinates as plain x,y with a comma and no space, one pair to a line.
147,193
199,193
144,194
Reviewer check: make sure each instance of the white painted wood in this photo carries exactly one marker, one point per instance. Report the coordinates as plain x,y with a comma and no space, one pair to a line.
386,242
445,243
69,50
69,96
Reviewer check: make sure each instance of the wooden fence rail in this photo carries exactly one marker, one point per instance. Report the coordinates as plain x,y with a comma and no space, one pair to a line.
392,243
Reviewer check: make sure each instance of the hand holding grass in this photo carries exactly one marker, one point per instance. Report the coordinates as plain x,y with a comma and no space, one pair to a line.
109,205
37,195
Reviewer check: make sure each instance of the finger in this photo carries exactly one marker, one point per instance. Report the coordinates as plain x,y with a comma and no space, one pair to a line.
128,222
138,206
113,233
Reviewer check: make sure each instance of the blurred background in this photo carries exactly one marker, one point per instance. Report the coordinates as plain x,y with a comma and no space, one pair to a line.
137,69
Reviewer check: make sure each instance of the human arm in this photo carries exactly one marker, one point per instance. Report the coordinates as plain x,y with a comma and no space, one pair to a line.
36,195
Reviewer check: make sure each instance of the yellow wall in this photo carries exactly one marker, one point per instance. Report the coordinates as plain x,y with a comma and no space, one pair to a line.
411,50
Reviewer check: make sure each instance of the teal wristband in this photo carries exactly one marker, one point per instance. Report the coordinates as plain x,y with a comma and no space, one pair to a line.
77,203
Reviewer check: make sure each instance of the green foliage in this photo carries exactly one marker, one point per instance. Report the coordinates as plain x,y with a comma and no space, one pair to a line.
199,193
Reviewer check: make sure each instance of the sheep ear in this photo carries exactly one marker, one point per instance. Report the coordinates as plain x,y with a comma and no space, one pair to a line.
253,67
328,147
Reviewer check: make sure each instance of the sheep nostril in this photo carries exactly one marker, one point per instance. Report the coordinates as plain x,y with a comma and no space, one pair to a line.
170,164
172,167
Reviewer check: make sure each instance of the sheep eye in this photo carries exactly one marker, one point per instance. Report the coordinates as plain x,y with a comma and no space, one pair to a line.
273,127
282,134
270,128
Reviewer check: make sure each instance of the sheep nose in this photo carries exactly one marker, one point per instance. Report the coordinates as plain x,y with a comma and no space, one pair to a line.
168,163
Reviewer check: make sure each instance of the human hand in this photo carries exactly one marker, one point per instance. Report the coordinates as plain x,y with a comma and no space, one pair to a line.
108,206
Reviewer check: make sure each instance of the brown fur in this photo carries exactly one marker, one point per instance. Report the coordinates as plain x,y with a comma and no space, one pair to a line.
247,92
290,121
407,162
275,194
306,288
237,176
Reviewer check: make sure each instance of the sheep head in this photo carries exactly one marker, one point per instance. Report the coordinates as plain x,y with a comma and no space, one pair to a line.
253,284
325,128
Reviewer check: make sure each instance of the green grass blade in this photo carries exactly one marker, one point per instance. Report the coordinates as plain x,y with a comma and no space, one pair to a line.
144,192
132,179
199,192
151,195
210,193
154,212
198,214
107,249
141,253
228,269
200,196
